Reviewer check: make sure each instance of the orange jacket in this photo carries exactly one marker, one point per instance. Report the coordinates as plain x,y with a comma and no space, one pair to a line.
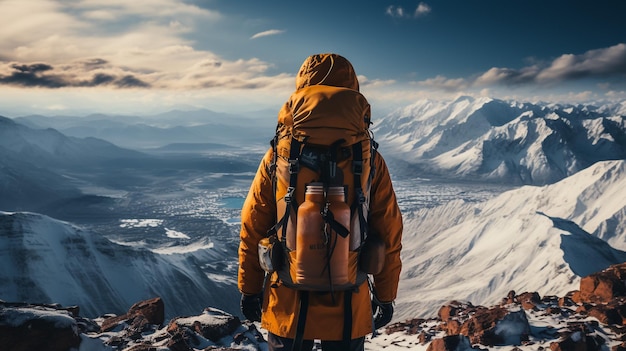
258,215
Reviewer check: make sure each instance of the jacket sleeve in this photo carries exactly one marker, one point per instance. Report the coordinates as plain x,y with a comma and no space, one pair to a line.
258,215
385,218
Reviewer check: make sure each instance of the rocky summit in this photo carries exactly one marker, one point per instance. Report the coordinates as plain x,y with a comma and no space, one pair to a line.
591,318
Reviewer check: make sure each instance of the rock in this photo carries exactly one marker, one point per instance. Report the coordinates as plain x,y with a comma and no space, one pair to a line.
605,285
450,343
212,324
496,326
452,327
509,299
27,327
567,300
152,310
454,309
410,327
581,339
606,314
424,337
529,300
38,328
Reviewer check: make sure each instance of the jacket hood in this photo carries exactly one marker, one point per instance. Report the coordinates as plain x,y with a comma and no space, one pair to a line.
327,69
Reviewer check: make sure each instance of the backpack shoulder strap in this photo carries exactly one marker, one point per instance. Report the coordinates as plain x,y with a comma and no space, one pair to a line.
290,199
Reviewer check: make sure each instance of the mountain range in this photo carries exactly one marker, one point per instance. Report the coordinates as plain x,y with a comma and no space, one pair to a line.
43,169
466,138
45,260
504,141
566,222
176,126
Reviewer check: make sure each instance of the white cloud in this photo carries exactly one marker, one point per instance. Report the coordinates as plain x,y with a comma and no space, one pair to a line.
394,11
443,83
599,62
267,33
143,8
422,9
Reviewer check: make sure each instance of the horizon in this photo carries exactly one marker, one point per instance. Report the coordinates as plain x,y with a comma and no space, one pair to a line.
153,56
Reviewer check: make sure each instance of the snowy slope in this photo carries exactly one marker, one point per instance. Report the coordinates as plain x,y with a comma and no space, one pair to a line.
48,261
34,164
528,239
24,185
514,142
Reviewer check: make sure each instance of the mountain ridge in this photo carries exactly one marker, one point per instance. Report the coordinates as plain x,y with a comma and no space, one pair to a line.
504,141
523,239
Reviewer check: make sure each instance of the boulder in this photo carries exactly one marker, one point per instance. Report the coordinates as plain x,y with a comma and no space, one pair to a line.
578,338
151,311
212,324
496,326
605,285
29,328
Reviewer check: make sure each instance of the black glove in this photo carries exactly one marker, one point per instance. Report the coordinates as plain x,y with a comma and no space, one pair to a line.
251,306
383,312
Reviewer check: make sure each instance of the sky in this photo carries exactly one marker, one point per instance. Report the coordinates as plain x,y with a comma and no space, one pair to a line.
75,57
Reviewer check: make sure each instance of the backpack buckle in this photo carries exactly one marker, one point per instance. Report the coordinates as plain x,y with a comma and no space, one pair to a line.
289,195
294,166
357,167
361,197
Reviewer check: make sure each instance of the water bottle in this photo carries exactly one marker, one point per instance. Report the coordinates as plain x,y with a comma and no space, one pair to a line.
339,261
310,240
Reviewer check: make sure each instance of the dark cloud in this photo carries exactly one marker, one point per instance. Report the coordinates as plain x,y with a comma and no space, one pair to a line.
130,82
30,75
600,63
95,63
101,79
32,68
42,75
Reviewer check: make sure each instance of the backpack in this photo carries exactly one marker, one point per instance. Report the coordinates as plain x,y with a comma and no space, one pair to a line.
322,139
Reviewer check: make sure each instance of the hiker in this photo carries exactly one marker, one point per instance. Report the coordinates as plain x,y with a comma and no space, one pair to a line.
295,314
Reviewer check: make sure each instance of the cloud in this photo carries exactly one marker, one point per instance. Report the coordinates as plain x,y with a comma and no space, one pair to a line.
422,10
446,84
599,63
43,75
267,33
607,64
399,12
508,76
119,44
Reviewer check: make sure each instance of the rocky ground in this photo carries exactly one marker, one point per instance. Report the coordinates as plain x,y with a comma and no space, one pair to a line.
592,318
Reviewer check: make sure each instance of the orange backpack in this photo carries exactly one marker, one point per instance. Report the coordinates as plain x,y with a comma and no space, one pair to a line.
322,142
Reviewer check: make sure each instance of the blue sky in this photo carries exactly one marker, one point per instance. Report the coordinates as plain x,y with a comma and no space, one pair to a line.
148,56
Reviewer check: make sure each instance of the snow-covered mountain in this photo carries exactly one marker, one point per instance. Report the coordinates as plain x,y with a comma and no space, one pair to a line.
532,238
44,260
200,126
492,139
